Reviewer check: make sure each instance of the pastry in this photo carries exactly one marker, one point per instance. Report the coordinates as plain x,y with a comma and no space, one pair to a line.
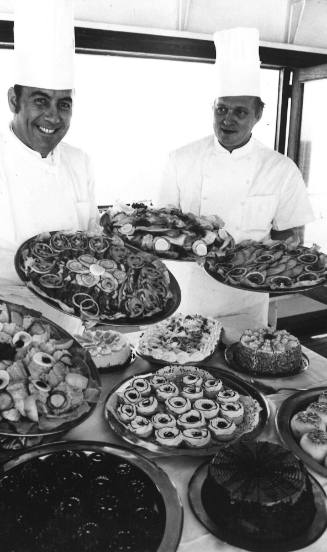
141,426
191,419
147,406
163,419
196,437
208,407
305,421
228,396
211,387
192,392
222,429
168,436
166,391
233,411
315,444
178,405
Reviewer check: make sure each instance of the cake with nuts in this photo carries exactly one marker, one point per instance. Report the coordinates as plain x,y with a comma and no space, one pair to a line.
108,348
264,352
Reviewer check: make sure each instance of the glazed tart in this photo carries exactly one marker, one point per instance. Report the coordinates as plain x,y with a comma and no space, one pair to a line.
147,406
141,426
228,396
196,437
126,412
163,419
166,391
211,387
178,405
191,419
233,411
208,407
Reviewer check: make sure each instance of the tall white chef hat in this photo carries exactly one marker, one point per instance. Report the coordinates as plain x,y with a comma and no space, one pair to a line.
237,62
44,43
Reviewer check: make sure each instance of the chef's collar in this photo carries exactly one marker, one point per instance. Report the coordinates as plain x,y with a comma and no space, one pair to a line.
237,152
51,159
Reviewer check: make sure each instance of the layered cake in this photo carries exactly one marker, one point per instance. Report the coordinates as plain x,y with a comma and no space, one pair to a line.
258,490
107,347
264,352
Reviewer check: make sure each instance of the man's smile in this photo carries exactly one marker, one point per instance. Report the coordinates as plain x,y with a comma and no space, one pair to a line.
45,130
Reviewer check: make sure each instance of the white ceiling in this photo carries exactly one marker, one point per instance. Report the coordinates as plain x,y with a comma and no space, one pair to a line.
297,22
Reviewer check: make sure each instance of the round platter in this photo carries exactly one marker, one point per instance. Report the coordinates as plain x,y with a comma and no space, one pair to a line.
22,371
150,493
292,405
257,406
232,363
311,534
62,299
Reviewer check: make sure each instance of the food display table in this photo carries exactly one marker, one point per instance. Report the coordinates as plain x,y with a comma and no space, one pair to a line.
195,537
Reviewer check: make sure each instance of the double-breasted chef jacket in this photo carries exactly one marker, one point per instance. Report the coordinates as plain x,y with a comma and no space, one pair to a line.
253,189
42,194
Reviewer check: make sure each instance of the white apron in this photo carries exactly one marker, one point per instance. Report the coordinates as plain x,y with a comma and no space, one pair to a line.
224,189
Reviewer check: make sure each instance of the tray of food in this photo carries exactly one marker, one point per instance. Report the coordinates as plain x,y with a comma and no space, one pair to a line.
180,410
302,425
267,353
167,232
87,496
180,339
48,382
98,278
109,349
273,267
259,496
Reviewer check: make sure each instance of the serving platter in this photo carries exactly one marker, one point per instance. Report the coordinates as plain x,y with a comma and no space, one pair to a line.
310,535
288,408
95,497
255,406
49,383
167,232
97,278
273,267
232,363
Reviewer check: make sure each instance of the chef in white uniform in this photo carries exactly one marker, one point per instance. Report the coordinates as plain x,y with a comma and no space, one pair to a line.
230,174
45,184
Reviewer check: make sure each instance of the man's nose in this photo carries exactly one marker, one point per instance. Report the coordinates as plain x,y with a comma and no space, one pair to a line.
52,114
229,116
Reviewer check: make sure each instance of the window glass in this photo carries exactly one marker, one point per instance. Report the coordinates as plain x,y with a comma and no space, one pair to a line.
130,112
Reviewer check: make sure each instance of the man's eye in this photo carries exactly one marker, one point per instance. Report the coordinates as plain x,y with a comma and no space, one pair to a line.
221,110
65,106
241,113
40,101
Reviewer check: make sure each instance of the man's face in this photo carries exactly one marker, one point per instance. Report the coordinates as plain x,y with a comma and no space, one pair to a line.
234,119
41,117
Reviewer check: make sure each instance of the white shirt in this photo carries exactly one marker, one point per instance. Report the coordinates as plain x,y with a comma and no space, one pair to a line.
41,194
253,189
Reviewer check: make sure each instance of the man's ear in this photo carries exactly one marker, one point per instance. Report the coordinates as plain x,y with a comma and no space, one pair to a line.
12,100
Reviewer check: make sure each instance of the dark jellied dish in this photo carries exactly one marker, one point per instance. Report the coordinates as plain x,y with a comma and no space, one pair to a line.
259,490
79,501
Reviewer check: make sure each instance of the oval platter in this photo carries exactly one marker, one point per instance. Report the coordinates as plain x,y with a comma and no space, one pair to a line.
310,535
292,405
256,409
118,294
280,268
48,348
160,529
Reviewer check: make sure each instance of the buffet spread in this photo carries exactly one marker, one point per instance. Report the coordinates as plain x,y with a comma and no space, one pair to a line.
168,397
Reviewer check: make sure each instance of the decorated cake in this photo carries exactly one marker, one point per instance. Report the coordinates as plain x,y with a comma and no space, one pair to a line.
264,352
107,347
259,490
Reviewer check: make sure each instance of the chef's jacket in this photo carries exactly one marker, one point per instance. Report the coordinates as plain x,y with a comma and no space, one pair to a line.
42,194
253,189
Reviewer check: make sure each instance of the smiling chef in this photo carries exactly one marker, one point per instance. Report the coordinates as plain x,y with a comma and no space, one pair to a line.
45,184
254,189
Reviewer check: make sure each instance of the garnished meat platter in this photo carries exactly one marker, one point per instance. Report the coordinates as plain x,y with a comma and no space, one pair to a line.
272,267
48,382
97,278
87,495
167,232
175,410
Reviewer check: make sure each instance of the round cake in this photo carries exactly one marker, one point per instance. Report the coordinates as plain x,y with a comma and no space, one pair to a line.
258,490
107,347
264,352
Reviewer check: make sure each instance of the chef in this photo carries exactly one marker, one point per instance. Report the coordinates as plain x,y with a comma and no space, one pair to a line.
45,184
254,189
